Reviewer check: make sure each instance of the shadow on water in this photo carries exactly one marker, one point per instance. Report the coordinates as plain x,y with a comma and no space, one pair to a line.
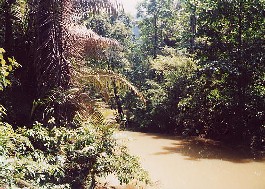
195,148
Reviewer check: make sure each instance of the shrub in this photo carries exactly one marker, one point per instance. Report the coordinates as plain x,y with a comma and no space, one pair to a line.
46,156
64,157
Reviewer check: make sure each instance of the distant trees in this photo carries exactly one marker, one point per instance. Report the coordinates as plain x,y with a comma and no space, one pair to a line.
157,25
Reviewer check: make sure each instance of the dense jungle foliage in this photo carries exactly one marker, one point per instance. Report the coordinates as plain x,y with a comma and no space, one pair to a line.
200,65
52,135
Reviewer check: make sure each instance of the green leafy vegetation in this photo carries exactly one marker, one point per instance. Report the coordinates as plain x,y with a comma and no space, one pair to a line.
199,64
63,157
6,69
210,83
52,134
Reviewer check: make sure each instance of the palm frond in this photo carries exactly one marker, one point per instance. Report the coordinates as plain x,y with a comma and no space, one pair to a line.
103,81
59,36
87,107
86,42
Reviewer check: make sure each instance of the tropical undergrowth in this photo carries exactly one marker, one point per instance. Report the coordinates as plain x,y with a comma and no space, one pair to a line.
58,156
62,157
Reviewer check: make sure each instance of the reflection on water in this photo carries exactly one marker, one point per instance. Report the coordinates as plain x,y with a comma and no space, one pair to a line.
195,148
194,163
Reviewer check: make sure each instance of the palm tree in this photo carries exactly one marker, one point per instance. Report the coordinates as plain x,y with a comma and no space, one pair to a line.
59,37
54,36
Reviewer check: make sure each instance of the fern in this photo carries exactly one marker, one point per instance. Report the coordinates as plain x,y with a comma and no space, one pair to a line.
103,80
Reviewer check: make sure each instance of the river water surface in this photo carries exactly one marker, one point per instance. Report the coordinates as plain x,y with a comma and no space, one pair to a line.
177,163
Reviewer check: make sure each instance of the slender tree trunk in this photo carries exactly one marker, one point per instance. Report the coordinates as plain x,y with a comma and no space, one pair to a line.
93,181
240,54
8,27
115,88
193,23
118,100
155,45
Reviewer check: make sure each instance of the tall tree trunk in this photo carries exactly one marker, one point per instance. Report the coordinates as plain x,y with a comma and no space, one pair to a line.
193,23
8,27
115,88
155,44
50,66
118,100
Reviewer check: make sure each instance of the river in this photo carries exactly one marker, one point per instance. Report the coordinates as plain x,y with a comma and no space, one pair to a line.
177,163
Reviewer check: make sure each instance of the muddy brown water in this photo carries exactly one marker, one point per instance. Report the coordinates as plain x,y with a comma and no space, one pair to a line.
177,163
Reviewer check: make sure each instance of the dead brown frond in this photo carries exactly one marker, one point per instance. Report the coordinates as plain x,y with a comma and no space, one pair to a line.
79,41
59,36
86,42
